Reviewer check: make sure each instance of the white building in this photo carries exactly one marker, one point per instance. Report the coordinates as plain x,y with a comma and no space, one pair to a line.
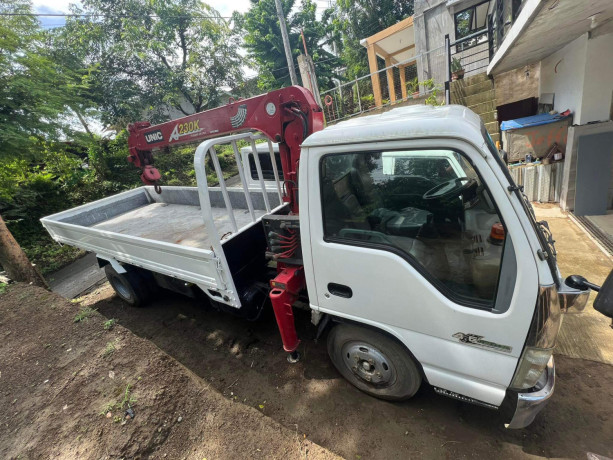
572,43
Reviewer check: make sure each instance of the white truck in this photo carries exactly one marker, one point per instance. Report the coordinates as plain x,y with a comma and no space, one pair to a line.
421,259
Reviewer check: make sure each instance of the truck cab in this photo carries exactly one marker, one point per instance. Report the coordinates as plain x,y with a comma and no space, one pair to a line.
411,230
267,152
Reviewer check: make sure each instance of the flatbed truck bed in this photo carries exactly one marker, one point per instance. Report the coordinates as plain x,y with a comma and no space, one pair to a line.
211,237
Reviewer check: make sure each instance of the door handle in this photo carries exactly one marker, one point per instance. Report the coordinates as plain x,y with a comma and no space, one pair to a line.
340,290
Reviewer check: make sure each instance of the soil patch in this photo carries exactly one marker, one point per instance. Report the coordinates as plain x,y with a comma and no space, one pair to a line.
65,387
246,360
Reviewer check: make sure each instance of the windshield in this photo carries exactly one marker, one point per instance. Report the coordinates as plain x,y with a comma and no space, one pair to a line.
548,251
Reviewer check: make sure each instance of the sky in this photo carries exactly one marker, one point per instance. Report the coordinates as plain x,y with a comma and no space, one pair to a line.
224,7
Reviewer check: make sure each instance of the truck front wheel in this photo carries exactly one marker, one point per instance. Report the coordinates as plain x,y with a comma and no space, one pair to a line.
373,363
131,286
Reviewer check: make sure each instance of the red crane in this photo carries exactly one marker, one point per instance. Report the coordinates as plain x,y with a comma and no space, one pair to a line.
286,116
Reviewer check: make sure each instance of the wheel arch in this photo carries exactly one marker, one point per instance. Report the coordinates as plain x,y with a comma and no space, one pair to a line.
333,320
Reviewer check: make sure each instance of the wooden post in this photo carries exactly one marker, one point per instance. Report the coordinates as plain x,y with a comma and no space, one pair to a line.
403,81
390,79
309,79
374,77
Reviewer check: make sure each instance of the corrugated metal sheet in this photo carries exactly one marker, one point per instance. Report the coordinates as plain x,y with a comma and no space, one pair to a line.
541,182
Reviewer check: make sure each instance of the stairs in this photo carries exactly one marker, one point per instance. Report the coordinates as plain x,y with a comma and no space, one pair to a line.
478,94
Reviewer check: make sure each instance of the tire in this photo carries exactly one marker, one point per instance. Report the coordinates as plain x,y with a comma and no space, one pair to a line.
360,354
131,287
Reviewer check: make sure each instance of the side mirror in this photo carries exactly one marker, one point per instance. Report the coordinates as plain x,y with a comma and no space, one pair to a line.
580,283
604,300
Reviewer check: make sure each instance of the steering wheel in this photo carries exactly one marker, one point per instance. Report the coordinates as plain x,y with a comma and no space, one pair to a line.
450,188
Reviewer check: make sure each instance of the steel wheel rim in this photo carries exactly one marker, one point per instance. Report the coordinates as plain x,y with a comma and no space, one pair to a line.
121,288
368,363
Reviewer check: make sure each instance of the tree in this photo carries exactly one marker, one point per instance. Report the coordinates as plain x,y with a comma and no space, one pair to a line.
15,261
146,58
354,20
265,46
35,93
34,89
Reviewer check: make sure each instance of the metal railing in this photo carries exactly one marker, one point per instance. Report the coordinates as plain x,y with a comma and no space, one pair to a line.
208,148
419,79
472,53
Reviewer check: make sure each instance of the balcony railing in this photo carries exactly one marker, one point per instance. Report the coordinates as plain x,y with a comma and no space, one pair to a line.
418,80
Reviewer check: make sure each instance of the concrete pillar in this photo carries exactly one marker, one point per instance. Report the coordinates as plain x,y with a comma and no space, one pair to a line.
372,63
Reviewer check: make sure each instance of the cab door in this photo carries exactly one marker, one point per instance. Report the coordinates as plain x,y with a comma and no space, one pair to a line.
441,262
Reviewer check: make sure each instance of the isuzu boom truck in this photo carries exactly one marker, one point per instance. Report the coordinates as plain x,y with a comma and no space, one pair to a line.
421,259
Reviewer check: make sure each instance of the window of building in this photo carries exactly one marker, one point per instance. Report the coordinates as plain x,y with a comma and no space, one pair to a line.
428,206
471,20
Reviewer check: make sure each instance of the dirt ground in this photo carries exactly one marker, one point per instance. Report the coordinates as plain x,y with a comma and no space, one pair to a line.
239,398
244,362
65,388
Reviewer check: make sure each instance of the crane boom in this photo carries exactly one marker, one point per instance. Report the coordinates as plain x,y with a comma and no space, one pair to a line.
286,116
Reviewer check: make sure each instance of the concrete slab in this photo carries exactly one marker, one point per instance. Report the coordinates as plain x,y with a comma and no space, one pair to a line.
76,278
587,335
604,222
544,211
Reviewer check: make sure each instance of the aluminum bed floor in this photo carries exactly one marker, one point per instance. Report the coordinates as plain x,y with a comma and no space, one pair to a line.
174,223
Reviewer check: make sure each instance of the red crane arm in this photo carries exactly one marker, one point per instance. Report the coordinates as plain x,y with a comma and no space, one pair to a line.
286,116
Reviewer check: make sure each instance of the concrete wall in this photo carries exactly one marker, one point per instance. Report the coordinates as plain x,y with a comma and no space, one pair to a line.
569,176
563,73
437,21
580,75
432,20
598,80
517,84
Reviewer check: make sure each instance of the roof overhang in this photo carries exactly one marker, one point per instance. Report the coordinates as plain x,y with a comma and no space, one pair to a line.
396,43
545,26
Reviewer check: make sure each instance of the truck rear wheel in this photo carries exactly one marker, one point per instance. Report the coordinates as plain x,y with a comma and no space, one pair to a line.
373,363
131,286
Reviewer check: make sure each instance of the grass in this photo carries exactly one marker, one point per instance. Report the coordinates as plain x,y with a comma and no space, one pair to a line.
83,314
127,401
109,350
3,287
109,324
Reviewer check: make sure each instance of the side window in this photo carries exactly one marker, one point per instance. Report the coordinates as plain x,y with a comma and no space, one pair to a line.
266,165
429,206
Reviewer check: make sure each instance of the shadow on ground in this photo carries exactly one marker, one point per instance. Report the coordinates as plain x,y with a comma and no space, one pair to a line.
245,362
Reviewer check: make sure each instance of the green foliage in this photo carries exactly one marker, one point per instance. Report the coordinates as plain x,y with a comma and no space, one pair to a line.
109,349
128,399
109,324
265,46
354,20
3,287
35,89
83,314
413,85
433,93
164,54
456,64
69,175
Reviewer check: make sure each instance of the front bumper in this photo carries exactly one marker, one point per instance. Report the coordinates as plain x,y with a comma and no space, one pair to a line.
530,404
